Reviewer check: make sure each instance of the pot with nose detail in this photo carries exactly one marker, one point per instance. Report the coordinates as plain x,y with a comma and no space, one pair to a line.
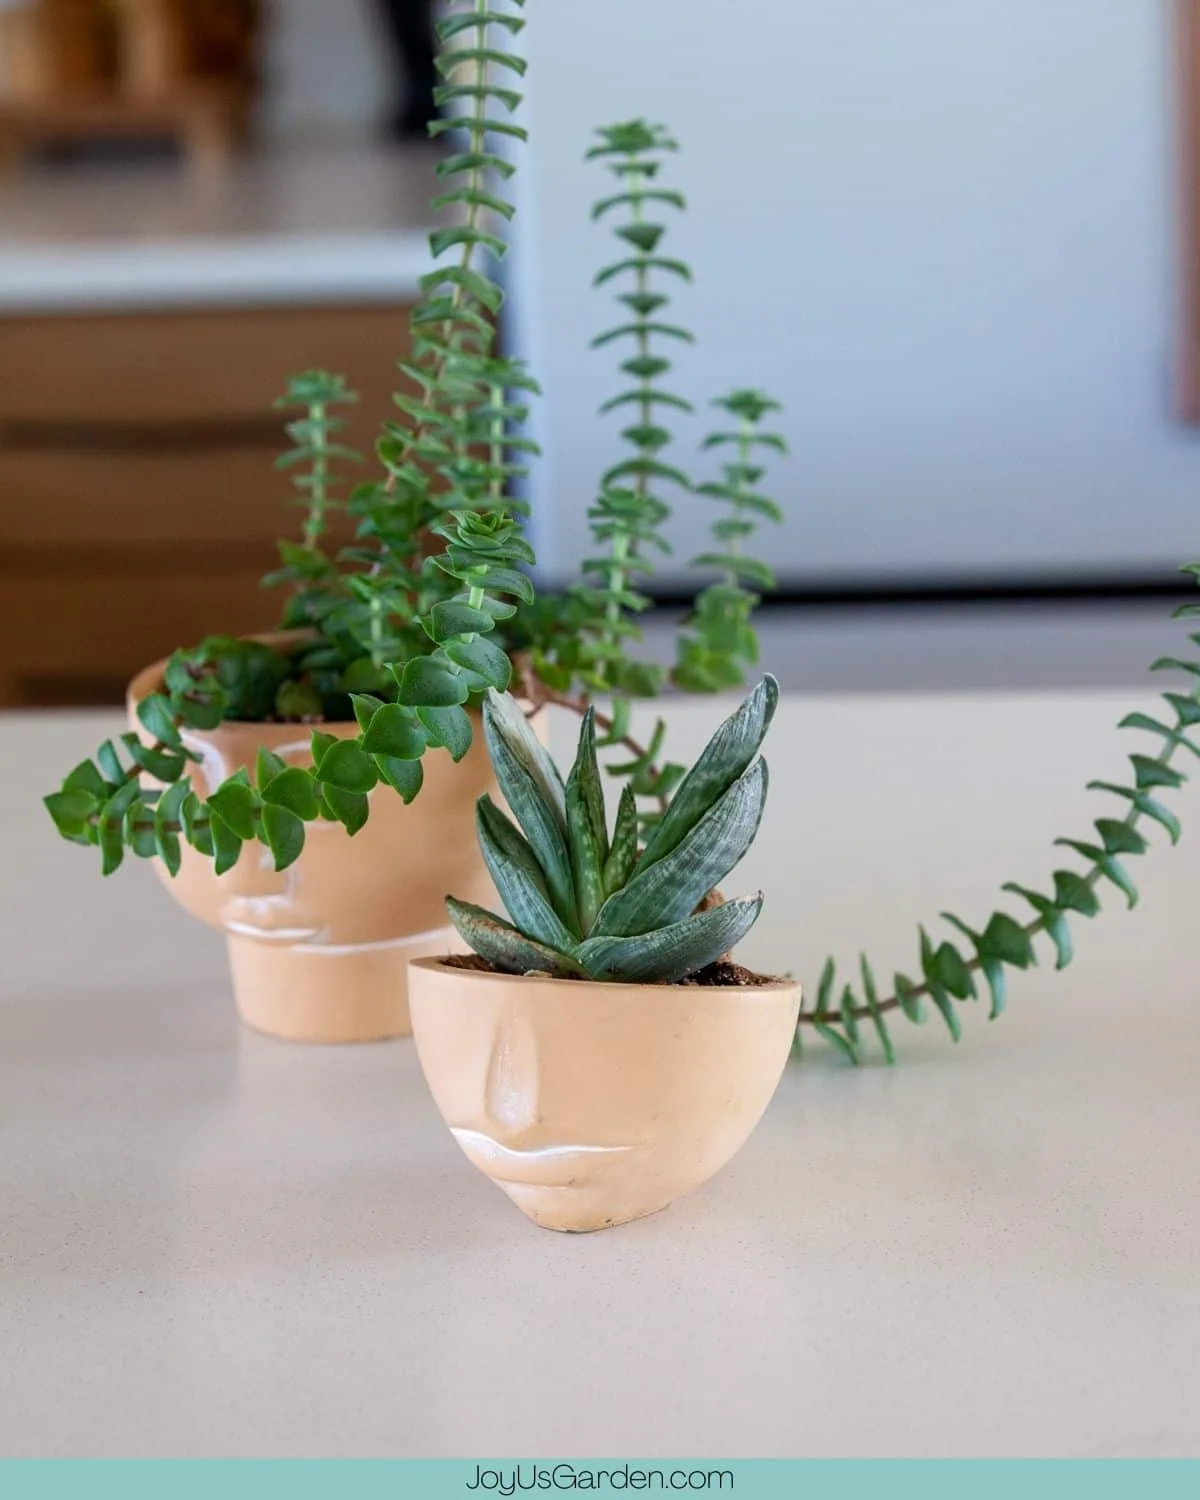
591,1104
318,952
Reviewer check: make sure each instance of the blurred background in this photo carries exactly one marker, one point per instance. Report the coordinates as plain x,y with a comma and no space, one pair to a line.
956,240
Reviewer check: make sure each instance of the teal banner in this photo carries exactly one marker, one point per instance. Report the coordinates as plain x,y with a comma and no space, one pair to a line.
460,1479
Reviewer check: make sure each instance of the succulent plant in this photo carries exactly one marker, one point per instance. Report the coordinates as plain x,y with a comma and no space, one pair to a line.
587,904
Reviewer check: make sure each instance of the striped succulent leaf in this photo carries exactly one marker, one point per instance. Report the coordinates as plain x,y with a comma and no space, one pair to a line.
584,904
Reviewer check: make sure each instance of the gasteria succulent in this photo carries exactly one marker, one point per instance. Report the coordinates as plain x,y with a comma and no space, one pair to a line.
585,904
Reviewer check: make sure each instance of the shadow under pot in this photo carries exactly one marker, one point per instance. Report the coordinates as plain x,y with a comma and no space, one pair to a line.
591,1104
319,952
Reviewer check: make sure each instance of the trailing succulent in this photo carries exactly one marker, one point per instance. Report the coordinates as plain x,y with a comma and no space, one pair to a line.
585,904
430,606
429,613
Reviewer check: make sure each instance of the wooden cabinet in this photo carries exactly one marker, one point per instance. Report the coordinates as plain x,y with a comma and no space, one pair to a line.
139,501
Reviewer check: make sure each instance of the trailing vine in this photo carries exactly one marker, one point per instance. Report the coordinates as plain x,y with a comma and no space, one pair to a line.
951,971
437,563
717,641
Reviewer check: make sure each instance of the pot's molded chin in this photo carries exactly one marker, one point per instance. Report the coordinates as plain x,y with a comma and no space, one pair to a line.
320,952
592,1104
313,992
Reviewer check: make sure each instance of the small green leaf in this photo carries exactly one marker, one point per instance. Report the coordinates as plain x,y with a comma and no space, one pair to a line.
905,990
403,776
293,790
72,812
156,715
1108,867
267,765
430,682
284,833
930,964
236,805
488,662
1120,837
1007,941
1053,920
1073,892
844,1045
86,778
846,1012
167,820
448,729
877,1016
348,767
350,809
110,762
394,731
1148,806
227,846
1149,772
450,618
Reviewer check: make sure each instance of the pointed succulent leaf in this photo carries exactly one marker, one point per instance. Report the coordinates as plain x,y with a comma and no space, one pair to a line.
587,835
1073,892
623,852
1148,806
877,1017
503,946
672,952
723,760
1110,868
1053,920
533,789
518,878
673,886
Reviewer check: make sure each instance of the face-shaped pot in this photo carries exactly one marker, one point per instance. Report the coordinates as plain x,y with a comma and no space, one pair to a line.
319,952
593,1104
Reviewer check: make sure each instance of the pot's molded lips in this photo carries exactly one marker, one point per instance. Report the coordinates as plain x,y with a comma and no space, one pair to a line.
319,952
588,1103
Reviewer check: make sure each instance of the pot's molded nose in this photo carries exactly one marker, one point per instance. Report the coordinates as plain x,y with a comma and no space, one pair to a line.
593,1104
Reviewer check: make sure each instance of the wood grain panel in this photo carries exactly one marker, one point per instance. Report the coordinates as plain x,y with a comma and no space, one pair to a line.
172,367
139,502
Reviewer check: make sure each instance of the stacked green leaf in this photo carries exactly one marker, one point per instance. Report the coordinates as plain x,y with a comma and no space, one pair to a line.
718,641
585,902
950,971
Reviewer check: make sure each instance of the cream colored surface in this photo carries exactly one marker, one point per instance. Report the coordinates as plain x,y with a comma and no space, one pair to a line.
214,1244
319,952
591,1105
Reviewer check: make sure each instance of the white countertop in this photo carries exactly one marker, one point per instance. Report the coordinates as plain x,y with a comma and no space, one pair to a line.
278,226
213,1244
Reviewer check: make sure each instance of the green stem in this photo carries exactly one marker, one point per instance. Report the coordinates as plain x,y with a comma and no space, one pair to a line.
318,495
496,447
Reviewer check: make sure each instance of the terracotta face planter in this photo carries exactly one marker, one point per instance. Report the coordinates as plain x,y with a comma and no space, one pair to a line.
592,1104
319,952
